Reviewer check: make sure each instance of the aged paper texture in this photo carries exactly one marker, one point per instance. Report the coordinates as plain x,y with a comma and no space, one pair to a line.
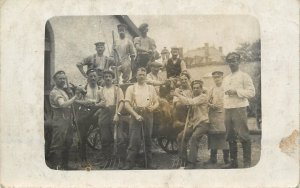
23,51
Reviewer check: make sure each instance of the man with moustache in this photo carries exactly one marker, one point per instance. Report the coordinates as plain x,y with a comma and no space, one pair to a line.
125,49
145,48
61,122
154,78
238,88
95,61
107,98
175,66
86,110
140,101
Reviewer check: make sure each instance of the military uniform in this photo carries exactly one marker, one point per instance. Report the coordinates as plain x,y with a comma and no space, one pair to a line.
61,129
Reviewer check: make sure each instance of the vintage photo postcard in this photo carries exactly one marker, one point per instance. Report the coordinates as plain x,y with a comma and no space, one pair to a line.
149,96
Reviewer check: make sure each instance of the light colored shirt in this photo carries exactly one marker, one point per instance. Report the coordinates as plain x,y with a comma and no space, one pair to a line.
146,43
55,95
199,109
155,80
141,95
95,61
216,97
91,93
243,85
108,95
125,49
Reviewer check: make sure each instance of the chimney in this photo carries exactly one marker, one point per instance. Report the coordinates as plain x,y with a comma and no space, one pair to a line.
221,49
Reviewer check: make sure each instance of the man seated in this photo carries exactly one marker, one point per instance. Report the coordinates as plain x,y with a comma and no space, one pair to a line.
175,66
198,124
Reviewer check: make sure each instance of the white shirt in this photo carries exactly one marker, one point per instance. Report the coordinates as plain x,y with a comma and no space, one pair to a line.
243,85
108,95
91,93
141,95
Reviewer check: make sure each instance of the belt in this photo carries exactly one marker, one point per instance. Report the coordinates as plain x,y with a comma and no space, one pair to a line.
141,109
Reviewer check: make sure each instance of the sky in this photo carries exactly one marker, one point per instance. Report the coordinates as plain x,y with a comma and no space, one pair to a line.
191,32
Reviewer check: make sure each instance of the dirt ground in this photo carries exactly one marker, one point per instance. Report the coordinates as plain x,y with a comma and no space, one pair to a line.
164,160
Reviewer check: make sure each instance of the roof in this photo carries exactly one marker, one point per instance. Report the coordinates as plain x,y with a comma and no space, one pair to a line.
132,28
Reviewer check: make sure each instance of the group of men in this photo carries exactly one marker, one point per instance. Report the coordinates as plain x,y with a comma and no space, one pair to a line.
221,110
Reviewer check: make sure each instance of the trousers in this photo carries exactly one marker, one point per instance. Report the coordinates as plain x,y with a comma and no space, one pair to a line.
193,135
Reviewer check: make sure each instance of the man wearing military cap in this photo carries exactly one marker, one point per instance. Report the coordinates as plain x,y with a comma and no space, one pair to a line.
238,88
107,98
62,122
216,137
86,111
198,124
145,47
125,49
98,60
175,65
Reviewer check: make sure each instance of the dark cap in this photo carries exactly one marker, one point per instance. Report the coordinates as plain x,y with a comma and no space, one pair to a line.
109,72
233,57
89,71
143,26
185,73
122,26
217,73
99,43
57,73
155,64
197,82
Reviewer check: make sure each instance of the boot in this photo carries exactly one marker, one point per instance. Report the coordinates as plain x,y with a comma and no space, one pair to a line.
233,155
247,154
226,156
213,157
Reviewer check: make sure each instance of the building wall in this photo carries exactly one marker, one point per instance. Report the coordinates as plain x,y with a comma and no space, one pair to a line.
74,40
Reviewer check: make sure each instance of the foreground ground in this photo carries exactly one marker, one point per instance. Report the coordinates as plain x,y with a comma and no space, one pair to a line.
164,160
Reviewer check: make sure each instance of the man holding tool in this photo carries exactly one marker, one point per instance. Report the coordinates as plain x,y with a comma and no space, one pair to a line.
140,101
196,124
61,123
110,98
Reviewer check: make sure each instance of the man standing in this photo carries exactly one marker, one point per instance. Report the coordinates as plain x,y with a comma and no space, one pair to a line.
108,97
238,88
95,61
86,111
140,101
175,65
154,78
145,47
125,49
197,126
61,123
217,137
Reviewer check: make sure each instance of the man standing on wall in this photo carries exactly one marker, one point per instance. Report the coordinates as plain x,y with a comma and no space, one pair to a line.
145,48
95,61
125,49
238,88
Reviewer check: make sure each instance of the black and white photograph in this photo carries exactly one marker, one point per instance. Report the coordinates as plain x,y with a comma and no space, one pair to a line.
149,94
128,92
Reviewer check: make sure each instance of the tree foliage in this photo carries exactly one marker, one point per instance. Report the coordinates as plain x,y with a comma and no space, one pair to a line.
250,52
